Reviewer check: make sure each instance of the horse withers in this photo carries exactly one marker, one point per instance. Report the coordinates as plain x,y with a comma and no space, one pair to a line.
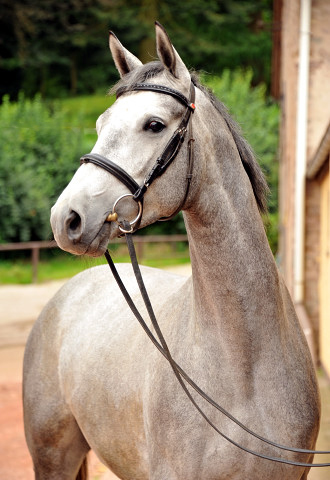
92,378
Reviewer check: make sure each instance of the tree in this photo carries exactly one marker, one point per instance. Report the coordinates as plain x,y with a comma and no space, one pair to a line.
58,47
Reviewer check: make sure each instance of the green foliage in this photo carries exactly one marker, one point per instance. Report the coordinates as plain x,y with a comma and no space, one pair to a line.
85,109
57,265
212,35
58,47
38,155
40,146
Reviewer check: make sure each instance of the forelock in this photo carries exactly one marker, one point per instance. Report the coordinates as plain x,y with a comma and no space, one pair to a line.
138,75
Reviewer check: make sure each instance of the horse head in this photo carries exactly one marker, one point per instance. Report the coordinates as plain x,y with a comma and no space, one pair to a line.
132,133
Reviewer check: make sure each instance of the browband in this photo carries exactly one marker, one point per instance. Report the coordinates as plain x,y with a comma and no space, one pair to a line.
159,89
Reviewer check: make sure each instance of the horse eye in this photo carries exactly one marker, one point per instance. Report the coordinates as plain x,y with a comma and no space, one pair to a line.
155,126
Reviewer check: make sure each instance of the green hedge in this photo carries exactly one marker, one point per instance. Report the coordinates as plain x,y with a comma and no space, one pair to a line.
40,145
38,155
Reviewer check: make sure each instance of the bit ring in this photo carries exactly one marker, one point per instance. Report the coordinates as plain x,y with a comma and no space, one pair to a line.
113,217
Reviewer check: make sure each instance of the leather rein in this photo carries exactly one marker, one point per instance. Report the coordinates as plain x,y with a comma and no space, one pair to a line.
137,192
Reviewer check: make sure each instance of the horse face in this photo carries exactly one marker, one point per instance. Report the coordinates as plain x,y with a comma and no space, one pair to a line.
132,134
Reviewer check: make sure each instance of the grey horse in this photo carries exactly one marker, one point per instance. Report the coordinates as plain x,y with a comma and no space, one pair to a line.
92,378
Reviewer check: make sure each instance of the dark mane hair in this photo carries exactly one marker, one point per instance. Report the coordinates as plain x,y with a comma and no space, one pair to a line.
251,166
138,75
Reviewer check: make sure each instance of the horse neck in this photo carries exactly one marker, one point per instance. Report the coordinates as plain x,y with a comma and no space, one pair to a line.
236,290
232,264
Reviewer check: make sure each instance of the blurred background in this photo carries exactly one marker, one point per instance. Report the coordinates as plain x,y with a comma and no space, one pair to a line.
268,61
56,69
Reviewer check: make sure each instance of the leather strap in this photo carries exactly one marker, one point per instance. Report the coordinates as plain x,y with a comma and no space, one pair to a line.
181,375
159,89
190,168
173,146
160,166
163,162
112,168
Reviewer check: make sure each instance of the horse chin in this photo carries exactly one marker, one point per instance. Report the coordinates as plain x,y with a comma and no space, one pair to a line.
99,244
94,248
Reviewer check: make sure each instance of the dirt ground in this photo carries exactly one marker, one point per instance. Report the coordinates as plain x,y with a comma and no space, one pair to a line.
19,307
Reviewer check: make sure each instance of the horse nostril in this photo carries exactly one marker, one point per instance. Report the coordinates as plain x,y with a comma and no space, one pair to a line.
75,221
74,226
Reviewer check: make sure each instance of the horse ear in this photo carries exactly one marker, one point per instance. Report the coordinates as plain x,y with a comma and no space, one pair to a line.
168,55
124,60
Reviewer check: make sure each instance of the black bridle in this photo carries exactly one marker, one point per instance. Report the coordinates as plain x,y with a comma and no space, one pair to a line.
169,153
137,192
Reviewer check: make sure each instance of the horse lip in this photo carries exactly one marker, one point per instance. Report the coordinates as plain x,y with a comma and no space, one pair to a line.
99,244
93,248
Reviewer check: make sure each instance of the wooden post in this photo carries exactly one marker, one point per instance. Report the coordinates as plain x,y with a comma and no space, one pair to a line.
35,261
276,51
140,250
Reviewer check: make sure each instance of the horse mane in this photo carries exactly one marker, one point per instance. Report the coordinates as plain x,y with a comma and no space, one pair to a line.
250,164
138,75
